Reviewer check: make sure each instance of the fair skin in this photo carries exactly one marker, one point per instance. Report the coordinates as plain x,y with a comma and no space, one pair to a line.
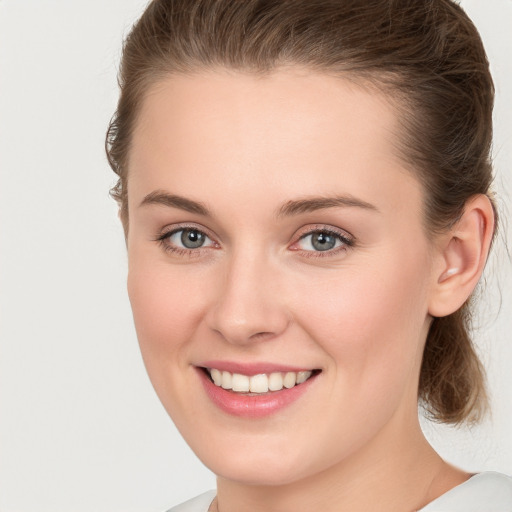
345,288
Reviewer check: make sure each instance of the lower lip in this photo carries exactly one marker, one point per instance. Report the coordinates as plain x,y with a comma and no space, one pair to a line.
252,406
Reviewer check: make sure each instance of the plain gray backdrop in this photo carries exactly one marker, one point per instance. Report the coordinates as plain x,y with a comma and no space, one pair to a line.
80,426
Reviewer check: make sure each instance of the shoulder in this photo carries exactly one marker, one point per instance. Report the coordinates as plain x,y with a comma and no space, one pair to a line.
489,491
200,503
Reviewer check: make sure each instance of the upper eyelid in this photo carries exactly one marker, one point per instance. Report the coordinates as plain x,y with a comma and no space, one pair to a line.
174,228
315,228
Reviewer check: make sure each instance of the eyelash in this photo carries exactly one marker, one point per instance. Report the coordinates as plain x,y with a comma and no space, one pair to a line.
347,242
163,241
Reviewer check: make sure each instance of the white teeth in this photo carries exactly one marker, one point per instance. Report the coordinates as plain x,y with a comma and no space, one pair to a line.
303,377
289,380
275,382
258,383
226,380
261,383
216,376
240,383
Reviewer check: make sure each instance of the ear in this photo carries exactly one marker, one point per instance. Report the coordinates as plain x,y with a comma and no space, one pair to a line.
460,257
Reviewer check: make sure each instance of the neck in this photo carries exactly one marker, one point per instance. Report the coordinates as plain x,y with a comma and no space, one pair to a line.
397,472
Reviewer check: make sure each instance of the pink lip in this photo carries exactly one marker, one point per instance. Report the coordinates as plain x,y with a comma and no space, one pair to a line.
250,368
252,406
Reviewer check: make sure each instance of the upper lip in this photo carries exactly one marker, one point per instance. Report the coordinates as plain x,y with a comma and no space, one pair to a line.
250,369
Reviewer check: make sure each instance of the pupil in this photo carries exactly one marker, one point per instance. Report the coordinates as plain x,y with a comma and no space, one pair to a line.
192,239
323,241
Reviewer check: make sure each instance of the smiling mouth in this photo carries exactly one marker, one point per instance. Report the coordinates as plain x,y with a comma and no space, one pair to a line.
258,384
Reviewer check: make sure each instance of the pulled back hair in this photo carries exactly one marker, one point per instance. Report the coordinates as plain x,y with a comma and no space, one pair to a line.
425,55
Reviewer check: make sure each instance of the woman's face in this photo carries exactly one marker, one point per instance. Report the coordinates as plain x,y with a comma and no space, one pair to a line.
273,230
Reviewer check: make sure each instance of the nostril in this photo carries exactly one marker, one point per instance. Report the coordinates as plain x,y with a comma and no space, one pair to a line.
260,336
243,334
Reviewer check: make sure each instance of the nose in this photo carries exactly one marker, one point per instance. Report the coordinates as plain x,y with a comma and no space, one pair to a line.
249,305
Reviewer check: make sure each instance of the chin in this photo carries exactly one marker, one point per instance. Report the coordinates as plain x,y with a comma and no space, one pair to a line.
257,473
255,463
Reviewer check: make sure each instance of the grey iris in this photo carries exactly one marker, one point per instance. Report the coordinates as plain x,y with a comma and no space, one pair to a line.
192,239
322,241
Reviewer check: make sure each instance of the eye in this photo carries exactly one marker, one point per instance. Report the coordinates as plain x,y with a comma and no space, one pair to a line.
189,238
185,239
319,241
323,240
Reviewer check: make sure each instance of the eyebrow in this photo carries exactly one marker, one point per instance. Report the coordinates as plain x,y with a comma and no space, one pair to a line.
290,208
160,197
312,204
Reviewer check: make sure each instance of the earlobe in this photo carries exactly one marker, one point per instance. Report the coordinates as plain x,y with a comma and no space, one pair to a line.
461,257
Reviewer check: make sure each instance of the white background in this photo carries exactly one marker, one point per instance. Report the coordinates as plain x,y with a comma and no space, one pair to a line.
80,426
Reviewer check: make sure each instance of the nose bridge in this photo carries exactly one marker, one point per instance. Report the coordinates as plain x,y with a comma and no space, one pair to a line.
248,306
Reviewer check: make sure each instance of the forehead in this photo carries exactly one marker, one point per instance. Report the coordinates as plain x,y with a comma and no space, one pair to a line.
294,130
280,107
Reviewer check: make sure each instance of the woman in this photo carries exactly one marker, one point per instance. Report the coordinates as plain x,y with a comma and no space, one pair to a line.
305,192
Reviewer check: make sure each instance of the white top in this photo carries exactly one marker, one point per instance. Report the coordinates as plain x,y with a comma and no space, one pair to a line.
484,492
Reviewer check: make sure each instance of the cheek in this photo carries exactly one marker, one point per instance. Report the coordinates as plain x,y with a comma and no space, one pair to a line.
165,310
371,322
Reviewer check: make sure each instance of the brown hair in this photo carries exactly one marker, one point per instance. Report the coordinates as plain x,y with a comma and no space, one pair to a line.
426,55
